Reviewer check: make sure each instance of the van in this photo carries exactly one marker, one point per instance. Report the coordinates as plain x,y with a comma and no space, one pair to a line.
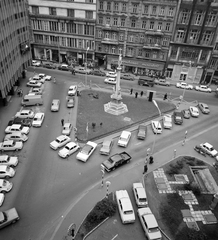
31,100
146,81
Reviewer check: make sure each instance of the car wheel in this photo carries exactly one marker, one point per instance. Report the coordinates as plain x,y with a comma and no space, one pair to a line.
4,192
113,169
6,176
17,149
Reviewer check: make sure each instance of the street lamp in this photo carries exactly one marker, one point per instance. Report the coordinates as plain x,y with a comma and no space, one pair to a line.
86,64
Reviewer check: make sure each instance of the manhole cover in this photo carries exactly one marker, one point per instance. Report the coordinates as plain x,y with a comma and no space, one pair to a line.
127,119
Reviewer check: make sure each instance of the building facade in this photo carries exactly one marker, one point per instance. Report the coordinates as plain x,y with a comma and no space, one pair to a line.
14,45
193,41
63,30
139,30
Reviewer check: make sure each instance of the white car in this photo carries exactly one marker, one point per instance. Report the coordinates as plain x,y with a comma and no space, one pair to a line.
8,160
36,63
203,88
110,80
10,145
38,78
111,74
6,171
72,90
140,195
38,119
55,105
67,128
36,91
124,204
184,85
16,136
69,149
5,186
7,217
209,149
17,128
124,138
149,224
59,142
45,77
167,121
156,127
106,146
194,111
86,151
204,108
34,83
2,198
25,114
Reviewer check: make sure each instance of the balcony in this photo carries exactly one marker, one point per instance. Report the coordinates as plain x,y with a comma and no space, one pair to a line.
157,33
152,46
108,27
109,41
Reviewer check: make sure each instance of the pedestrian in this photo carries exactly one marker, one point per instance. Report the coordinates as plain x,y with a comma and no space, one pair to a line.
142,93
136,94
62,122
165,96
145,166
131,90
21,93
54,80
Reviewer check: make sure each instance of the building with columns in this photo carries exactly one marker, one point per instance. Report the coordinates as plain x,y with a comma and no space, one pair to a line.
193,41
14,46
63,30
139,30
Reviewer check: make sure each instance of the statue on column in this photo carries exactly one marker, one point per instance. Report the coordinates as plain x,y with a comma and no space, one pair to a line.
120,61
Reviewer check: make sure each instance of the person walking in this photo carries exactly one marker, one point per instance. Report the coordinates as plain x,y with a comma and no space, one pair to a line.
142,93
165,96
62,122
131,90
145,166
54,80
136,94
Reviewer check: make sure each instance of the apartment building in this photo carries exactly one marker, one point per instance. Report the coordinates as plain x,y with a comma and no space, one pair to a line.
63,30
140,31
14,46
193,41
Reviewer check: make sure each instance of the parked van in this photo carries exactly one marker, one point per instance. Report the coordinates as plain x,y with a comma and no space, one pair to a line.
31,100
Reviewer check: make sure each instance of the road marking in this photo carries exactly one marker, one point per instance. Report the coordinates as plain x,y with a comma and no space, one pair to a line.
114,237
138,143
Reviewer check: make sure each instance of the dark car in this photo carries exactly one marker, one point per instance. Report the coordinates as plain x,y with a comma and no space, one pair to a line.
116,161
63,67
97,72
49,65
142,132
178,117
24,122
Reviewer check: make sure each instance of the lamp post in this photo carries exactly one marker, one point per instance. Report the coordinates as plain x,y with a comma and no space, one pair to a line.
86,64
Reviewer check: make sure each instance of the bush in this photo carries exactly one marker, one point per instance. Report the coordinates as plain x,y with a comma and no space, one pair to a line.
193,186
175,168
190,234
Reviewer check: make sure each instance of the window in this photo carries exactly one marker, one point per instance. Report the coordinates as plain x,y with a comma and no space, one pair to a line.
100,34
71,28
53,26
145,9
131,38
207,36
198,18
108,6
212,63
70,12
159,26
130,51
89,1
89,30
154,10
165,42
46,38
133,23
162,11
140,52
101,6
71,42
171,11
184,16
63,41
99,48
154,54
52,11
123,22
211,19
46,26
35,10
62,26
116,6
113,50
120,51
124,7
108,20
80,43
151,27
147,54
194,35
100,20
134,8
80,28
107,35
89,14
180,34
115,21
106,48
114,36
141,38
167,28
121,37
144,24
183,76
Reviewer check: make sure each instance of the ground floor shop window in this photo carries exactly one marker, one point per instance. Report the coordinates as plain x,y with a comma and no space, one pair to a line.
183,76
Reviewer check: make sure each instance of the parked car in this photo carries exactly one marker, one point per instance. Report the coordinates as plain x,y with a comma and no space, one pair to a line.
69,149
162,82
70,102
186,113
34,83
24,122
16,136
124,138
106,146
17,128
156,127
111,74
7,217
60,142
5,186
142,131
38,78
149,224
37,91
55,105
125,208
204,108
36,63
140,195
127,76
203,88
97,72
63,67
45,77
25,114
82,70
184,85
2,198
167,121
6,171
67,128
49,65
110,80
178,117
11,161
209,149
86,151
116,161
10,145
194,111
72,90
38,119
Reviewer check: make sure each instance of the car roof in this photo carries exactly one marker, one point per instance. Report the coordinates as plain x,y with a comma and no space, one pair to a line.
125,134
3,157
71,144
8,142
67,124
150,220
3,167
25,111
208,145
61,137
15,133
55,100
39,114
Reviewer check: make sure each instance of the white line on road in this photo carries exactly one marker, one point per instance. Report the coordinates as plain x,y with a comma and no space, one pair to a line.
114,237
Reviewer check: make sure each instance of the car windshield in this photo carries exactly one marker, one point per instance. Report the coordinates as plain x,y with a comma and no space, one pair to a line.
178,117
128,212
143,200
110,161
155,229
4,183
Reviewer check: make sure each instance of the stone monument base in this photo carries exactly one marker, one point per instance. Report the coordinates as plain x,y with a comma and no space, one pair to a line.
115,107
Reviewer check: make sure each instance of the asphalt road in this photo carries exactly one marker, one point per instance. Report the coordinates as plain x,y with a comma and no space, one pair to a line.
45,185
